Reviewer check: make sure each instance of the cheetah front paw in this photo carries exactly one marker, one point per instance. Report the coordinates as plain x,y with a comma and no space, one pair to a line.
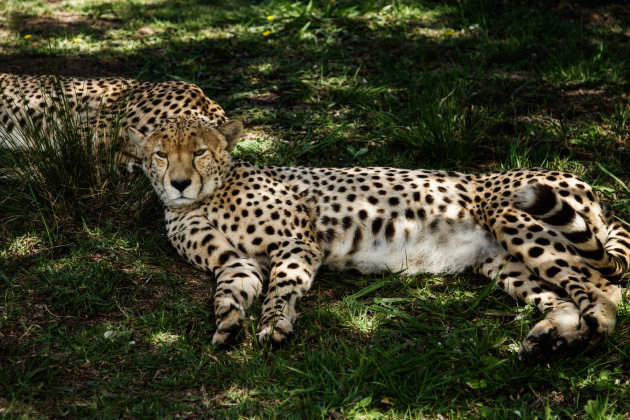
225,337
229,323
277,332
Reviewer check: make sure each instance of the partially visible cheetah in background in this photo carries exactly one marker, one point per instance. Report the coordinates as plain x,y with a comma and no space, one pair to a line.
266,230
103,102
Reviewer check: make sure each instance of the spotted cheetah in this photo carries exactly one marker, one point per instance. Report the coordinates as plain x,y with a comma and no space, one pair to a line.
104,102
265,231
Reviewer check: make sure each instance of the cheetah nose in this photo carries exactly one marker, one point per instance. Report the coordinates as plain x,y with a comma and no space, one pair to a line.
181,185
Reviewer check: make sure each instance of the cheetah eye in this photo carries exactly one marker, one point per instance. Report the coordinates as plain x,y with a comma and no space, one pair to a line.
200,152
162,155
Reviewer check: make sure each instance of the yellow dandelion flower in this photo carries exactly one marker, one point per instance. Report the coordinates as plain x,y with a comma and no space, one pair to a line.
266,33
77,40
27,36
271,17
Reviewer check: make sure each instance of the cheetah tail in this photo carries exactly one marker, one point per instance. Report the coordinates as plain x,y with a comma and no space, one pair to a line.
618,248
612,259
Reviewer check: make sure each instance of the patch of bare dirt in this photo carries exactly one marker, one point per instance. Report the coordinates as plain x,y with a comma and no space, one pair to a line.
60,22
268,98
596,13
581,102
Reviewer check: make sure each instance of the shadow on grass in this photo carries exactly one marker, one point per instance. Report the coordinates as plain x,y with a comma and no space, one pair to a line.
159,360
514,64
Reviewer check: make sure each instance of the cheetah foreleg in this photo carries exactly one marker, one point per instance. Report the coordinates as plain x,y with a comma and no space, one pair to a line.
239,278
618,248
239,282
292,271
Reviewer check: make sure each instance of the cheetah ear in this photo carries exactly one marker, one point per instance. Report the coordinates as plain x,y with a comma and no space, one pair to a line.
232,132
137,138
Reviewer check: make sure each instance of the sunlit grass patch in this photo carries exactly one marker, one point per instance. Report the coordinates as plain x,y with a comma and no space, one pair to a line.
357,316
164,338
25,245
257,143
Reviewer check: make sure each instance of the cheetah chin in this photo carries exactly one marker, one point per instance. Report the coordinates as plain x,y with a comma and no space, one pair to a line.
264,231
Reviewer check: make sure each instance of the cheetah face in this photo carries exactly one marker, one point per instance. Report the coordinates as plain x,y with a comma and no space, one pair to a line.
185,158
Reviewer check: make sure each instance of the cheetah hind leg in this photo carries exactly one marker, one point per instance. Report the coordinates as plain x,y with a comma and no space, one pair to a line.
562,328
560,332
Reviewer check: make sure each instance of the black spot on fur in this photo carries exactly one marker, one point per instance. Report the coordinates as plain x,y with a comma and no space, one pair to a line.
552,271
535,251
376,225
389,231
225,256
579,237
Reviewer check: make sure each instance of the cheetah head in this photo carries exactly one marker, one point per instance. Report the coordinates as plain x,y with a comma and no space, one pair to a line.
185,158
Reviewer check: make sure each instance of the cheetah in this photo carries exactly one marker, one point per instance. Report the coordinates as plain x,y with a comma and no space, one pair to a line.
264,231
104,102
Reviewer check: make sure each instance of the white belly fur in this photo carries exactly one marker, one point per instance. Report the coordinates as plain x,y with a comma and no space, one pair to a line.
447,251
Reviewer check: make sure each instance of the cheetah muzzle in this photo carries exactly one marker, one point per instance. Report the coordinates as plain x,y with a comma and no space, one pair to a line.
541,234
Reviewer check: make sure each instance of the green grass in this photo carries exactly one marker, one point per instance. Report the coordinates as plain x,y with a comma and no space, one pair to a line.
100,317
40,182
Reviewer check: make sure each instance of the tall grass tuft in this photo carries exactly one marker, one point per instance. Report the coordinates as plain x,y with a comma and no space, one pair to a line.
65,165
441,124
